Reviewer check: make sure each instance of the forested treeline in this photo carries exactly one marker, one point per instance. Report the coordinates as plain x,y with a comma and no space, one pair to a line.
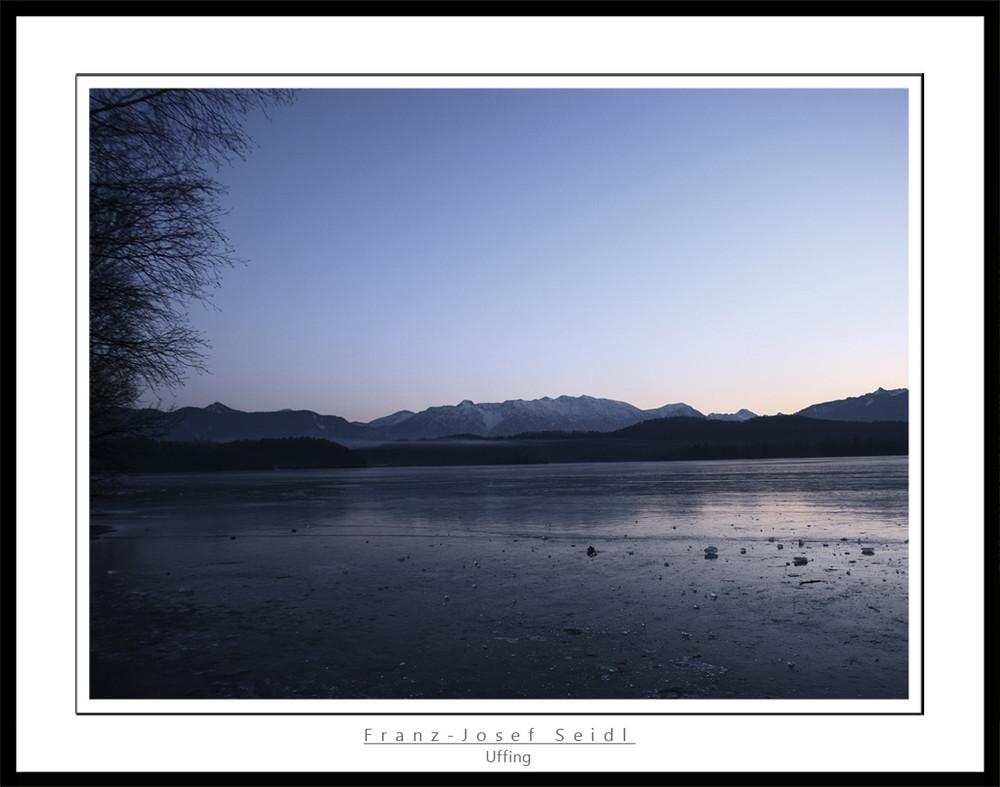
772,428
286,453
668,439
665,439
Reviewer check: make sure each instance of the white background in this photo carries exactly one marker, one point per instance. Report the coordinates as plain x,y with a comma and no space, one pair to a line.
51,51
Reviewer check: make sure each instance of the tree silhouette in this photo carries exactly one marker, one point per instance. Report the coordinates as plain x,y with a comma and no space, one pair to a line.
155,241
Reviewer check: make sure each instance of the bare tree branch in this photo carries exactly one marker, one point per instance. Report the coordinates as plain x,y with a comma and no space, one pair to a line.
155,241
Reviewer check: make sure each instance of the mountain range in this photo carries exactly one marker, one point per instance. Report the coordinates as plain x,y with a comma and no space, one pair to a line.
880,405
218,423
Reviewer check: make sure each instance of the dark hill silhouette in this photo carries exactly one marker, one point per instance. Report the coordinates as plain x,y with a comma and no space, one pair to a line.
288,453
663,439
880,405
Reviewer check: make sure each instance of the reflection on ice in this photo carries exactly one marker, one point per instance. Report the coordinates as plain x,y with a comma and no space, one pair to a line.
647,580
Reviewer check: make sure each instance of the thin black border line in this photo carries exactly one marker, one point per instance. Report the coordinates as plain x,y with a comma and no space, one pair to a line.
76,405
483,75
923,388
645,777
76,699
584,9
991,275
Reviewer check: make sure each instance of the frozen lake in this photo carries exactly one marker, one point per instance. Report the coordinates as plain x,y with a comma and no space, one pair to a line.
423,582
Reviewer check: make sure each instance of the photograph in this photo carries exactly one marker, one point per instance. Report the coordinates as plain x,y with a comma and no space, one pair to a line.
471,396
492,392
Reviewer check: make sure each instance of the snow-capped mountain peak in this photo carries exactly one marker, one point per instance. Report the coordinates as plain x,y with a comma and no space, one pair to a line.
673,410
515,416
742,415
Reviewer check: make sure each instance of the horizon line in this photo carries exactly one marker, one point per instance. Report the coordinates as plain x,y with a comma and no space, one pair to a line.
537,399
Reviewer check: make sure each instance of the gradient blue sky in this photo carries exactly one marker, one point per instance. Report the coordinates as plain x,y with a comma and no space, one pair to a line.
726,248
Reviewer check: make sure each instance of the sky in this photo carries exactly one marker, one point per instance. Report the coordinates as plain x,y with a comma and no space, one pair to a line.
725,248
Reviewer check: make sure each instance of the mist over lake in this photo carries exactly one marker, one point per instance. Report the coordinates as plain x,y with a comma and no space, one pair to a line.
646,580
